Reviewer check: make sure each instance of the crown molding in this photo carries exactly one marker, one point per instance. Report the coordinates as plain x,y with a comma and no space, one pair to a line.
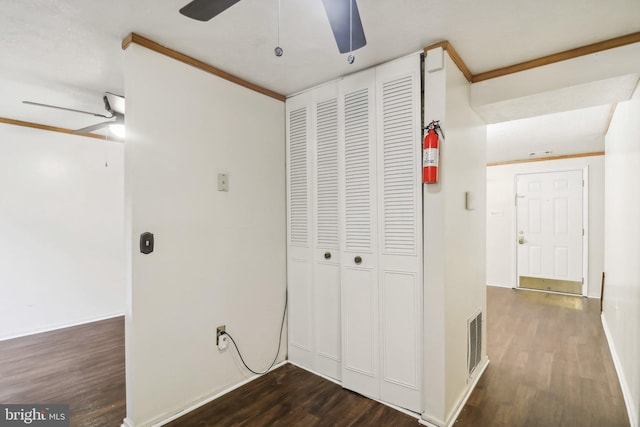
134,38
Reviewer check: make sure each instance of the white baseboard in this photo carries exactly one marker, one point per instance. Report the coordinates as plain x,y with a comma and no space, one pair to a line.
626,392
58,326
207,399
204,401
400,409
424,422
460,405
333,380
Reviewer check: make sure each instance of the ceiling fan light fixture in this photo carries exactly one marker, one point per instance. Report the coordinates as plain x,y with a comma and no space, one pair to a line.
117,129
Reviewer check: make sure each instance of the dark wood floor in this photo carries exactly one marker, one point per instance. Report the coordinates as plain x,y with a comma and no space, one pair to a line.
82,366
550,365
290,396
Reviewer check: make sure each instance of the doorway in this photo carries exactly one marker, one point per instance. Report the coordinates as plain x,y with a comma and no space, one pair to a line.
550,231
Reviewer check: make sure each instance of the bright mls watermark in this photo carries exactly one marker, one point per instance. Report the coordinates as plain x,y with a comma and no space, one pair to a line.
34,415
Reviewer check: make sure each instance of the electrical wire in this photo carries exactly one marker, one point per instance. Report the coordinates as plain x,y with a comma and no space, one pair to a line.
278,50
286,300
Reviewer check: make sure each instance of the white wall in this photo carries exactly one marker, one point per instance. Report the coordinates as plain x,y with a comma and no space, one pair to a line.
61,230
501,188
622,249
454,238
219,256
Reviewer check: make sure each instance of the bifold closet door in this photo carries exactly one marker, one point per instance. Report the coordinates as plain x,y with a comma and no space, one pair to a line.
399,159
359,279
326,258
299,224
382,233
354,232
313,269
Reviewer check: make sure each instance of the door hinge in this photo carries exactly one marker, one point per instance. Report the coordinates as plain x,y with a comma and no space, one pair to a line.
583,280
583,231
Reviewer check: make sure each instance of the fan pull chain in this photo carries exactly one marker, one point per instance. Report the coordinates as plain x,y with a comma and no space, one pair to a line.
351,58
278,50
106,143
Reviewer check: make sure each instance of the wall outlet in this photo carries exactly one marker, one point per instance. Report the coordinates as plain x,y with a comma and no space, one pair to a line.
219,331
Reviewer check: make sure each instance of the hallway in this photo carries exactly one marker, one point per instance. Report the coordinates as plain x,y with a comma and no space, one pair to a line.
550,365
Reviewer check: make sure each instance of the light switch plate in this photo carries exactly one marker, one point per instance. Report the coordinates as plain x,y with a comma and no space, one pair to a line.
468,201
223,182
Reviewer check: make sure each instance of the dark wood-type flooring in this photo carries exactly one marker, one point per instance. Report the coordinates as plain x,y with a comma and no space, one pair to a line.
550,365
291,396
82,366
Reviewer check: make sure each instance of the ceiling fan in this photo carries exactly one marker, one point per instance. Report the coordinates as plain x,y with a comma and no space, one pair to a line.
343,16
113,104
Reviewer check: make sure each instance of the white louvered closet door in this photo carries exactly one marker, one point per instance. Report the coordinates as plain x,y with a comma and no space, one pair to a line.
326,265
354,232
359,279
400,231
299,224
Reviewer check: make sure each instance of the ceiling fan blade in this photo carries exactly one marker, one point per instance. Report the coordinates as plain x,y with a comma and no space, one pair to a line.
204,10
97,126
347,37
66,109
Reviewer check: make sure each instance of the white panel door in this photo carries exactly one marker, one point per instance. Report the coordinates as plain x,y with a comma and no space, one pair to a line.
326,273
359,266
549,225
400,230
299,224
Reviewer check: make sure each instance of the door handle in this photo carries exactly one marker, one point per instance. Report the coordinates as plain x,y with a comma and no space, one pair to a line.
521,240
358,260
327,255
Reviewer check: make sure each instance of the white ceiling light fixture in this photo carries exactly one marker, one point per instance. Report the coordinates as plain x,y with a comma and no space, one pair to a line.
117,129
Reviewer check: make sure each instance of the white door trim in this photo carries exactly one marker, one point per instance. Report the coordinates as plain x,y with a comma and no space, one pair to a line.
585,228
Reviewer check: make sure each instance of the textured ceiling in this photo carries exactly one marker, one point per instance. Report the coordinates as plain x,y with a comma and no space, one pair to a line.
570,132
67,52
601,92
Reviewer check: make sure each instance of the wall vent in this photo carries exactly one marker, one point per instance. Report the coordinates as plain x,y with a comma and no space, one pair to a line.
474,343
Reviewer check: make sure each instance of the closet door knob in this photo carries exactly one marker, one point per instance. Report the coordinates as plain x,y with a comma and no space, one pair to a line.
358,260
327,255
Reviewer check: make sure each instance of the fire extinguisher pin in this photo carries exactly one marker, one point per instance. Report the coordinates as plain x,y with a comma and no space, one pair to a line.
435,126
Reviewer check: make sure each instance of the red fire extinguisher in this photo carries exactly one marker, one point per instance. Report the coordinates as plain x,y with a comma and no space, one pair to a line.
431,153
